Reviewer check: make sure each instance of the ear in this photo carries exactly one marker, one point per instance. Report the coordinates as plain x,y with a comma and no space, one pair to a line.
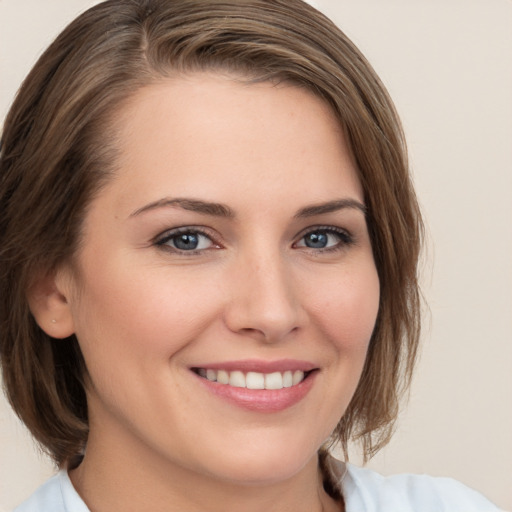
48,299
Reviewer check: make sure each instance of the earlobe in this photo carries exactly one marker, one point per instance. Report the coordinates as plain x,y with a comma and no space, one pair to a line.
49,304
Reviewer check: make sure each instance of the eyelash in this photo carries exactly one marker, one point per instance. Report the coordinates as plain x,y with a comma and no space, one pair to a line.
162,241
345,239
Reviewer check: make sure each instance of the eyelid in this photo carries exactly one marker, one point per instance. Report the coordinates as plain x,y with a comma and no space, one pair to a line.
346,237
161,239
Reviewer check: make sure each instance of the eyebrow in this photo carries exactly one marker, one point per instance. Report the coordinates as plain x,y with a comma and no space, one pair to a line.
193,205
329,207
222,210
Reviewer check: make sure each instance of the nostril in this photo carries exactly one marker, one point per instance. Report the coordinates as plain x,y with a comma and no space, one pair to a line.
264,303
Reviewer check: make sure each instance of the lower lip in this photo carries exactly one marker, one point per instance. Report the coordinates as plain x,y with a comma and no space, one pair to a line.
261,400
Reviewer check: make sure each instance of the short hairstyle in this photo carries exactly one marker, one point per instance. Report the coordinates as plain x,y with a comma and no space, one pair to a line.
58,148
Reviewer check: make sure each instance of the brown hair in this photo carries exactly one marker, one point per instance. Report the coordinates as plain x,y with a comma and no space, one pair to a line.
57,152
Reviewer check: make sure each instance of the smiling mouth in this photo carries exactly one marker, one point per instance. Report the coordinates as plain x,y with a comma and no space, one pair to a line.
254,380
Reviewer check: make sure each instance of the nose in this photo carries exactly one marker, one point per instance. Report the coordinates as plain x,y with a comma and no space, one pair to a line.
265,302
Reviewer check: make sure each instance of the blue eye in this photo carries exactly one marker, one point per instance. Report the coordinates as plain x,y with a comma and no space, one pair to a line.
325,238
316,240
186,240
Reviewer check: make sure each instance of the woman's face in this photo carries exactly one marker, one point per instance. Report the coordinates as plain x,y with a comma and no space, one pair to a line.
229,252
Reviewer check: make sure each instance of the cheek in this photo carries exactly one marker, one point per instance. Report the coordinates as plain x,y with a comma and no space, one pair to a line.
127,316
347,308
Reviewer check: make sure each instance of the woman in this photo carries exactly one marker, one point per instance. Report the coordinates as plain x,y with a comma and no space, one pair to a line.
208,263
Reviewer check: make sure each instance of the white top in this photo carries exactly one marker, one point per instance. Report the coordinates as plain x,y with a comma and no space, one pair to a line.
364,491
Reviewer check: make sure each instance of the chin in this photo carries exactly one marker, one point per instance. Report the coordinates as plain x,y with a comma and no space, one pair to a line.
262,464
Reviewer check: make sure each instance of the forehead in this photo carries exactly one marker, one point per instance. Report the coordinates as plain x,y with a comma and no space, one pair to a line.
207,132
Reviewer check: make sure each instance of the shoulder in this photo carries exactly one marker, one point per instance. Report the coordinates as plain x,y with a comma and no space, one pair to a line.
56,495
368,491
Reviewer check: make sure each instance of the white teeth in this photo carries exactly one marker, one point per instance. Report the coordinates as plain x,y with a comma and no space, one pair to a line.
298,376
223,377
237,379
273,381
254,380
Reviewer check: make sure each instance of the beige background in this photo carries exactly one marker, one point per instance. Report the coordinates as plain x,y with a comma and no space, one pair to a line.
448,65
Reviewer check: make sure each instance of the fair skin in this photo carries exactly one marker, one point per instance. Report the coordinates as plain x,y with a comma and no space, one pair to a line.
270,272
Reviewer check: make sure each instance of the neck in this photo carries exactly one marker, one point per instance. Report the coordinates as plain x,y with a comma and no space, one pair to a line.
114,478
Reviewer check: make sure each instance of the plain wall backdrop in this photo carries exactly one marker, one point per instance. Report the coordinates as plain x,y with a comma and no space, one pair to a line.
448,66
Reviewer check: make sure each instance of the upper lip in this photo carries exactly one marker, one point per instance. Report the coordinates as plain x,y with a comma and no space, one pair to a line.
260,366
